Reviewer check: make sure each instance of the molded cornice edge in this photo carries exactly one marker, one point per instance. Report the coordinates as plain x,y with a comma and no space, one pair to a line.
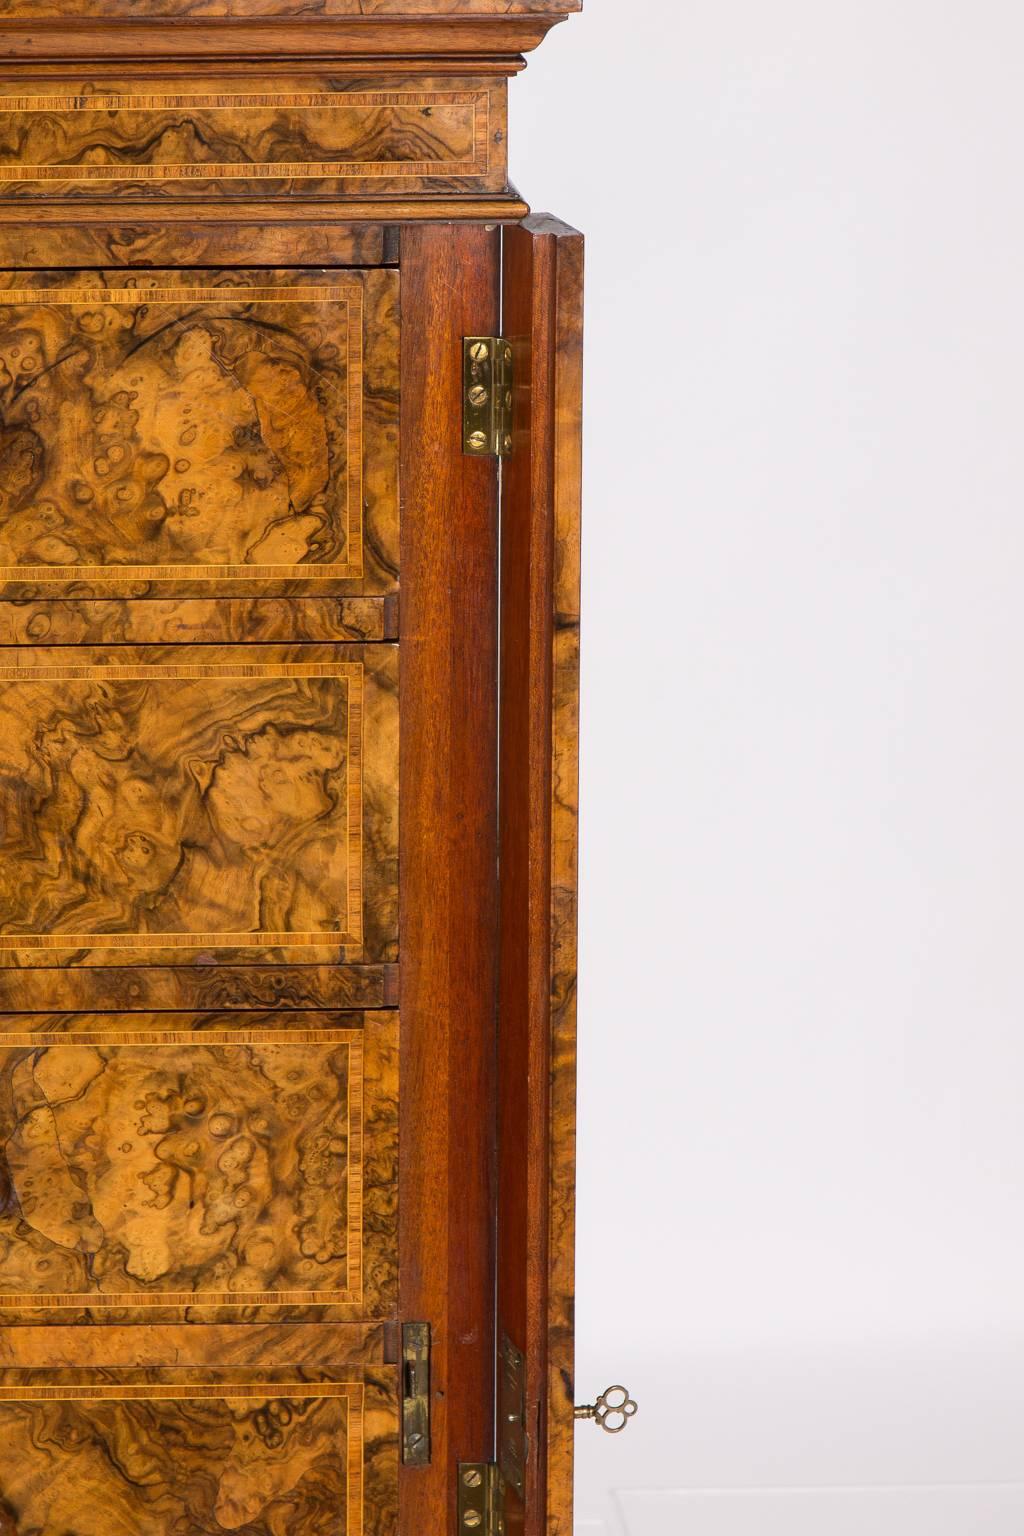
139,40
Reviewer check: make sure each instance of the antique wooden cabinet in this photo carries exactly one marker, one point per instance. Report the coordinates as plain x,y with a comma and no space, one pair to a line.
289,533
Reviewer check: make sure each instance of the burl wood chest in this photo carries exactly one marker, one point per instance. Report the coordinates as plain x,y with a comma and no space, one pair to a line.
289,569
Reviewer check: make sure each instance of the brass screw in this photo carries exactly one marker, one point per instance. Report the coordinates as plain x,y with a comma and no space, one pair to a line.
478,441
507,444
478,395
472,1518
472,1478
479,351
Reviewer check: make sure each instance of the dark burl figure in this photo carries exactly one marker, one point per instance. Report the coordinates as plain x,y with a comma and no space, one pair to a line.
258,1466
191,798
200,426
183,1168
139,804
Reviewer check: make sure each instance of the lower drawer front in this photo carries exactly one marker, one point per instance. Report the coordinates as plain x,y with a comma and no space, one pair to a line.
219,1167
201,805
269,1432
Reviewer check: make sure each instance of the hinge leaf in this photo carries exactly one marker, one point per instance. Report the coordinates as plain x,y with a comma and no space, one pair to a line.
486,397
481,1499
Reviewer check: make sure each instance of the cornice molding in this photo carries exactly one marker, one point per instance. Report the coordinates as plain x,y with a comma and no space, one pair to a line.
469,31
299,11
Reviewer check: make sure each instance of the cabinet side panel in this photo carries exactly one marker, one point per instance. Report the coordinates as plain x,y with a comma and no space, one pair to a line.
568,445
539,703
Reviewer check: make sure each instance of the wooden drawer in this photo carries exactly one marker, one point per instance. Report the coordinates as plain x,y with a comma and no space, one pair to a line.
159,1431
168,136
198,434
198,805
215,1167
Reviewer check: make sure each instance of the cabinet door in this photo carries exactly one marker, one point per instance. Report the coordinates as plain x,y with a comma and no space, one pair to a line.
209,1241
543,318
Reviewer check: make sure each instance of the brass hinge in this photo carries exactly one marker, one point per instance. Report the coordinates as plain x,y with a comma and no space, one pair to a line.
416,1394
481,1499
487,396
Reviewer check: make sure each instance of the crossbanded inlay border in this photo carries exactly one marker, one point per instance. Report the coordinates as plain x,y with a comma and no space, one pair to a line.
477,105
352,1295
351,1393
351,674
349,295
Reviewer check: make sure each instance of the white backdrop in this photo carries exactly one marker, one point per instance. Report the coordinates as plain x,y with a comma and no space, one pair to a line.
802,1139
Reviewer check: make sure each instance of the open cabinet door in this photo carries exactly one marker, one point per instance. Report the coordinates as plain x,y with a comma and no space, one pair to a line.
248,897
540,552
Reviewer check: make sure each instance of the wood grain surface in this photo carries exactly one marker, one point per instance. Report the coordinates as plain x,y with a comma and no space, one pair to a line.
449,626
58,1346
216,1163
163,802
153,242
164,137
204,985
182,427
197,621
477,40
268,224
539,799
567,449
112,11
285,1451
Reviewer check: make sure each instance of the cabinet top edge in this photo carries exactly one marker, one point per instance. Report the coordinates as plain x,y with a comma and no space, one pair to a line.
33,31
301,11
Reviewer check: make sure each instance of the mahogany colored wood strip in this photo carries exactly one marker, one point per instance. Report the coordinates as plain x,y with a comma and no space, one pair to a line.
89,38
539,752
525,835
253,213
110,10
448,857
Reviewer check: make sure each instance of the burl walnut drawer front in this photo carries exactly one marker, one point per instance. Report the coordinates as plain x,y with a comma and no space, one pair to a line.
196,1430
168,1451
198,805
198,434
167,137
217,1166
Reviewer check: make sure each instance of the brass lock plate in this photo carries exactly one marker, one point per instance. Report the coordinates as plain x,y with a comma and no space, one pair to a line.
513,1444
416,1394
